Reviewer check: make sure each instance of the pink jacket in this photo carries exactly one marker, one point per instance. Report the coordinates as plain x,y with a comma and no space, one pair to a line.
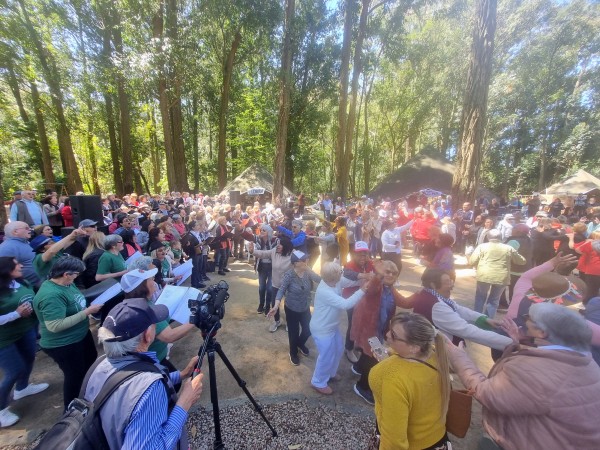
536,398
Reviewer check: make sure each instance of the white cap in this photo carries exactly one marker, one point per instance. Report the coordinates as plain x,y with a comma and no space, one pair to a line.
134,278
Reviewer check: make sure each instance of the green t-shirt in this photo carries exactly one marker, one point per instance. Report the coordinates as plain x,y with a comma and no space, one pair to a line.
11,332
157,346
55,302
111,263
42,268
164,268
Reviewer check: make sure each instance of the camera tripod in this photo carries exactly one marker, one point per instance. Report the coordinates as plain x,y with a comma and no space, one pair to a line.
209,348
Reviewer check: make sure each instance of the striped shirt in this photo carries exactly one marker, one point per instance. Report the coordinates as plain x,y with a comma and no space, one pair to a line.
151,427
297,290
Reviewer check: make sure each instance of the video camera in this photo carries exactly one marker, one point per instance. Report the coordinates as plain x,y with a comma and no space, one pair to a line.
208,309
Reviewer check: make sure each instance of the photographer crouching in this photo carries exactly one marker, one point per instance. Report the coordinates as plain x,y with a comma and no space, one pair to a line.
145,412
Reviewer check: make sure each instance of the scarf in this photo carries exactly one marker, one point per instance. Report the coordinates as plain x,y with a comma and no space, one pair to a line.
451,303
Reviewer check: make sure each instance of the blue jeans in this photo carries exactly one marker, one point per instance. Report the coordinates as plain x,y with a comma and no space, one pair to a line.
196,271
221,258
16,361
487,296
264,286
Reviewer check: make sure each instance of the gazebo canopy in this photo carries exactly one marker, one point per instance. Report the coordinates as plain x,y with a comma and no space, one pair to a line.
580,182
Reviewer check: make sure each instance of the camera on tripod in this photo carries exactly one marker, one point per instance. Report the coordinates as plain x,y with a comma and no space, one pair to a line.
208,309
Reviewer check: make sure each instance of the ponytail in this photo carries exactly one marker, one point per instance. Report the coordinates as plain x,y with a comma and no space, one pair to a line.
443,372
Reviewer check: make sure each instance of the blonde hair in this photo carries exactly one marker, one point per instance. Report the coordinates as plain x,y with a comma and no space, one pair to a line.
96,241
421,333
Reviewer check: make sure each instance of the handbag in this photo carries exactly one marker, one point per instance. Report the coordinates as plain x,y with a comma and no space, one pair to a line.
458,417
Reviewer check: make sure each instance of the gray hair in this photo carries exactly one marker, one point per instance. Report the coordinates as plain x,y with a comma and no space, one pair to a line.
111,241
142,263
116,349
11,227
494,234
330,273
297,223
66,263
562,325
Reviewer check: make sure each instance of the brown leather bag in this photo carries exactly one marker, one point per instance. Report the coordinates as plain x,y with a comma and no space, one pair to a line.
458,418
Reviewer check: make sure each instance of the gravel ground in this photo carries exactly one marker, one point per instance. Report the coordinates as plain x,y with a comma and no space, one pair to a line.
300,424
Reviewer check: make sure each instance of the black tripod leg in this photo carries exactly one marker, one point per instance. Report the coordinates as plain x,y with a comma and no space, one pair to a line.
214,399
242,384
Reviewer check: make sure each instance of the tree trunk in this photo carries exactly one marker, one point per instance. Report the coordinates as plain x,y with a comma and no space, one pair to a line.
3,213
340,160
32,144
108,104
163,97
42,136
285,88
155,154
195,154
356,71
52,77
472,124
180,182
124,118
224,104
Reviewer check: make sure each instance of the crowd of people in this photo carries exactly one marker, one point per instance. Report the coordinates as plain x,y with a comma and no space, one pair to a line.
538,260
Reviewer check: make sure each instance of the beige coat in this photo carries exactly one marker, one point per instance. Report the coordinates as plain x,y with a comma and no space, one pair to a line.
537,399
493,260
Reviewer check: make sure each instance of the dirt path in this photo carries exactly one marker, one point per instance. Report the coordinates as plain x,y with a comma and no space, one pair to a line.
260,357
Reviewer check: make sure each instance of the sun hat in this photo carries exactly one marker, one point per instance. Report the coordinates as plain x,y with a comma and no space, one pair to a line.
297,255
134,278
555,288
87,223
38,242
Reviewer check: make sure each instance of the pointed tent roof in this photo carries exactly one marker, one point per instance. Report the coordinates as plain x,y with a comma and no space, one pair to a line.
253,177
580,181
424,171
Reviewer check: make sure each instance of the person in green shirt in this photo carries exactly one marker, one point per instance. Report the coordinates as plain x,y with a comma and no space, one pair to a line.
111,264
17,338
64,325
48,252
140,284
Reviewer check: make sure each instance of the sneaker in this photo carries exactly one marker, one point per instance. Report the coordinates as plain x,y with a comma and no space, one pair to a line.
294,360
304,350
324,390
351,356
220,272
7,418
260,310
367,396
30,390
274,325
355,370
227,270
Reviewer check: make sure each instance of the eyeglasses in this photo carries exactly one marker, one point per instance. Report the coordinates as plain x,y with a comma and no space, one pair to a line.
396,338
391,272
72,273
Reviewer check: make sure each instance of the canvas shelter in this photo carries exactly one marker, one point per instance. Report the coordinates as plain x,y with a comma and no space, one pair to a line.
252,182
430,172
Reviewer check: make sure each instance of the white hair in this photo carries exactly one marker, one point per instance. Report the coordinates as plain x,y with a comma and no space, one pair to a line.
330,273
11,227
115,349
562,325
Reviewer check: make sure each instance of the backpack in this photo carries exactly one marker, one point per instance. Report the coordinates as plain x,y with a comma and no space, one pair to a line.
80,427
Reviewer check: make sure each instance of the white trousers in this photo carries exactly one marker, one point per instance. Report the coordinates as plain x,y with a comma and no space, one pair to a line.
331,349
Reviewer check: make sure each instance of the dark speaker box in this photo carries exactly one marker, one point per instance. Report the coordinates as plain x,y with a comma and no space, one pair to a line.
235,197
86,207
65,231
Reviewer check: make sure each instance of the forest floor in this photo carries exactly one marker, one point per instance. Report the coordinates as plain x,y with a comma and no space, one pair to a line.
260,358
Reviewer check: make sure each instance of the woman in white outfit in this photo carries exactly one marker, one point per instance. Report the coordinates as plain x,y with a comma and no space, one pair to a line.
325,326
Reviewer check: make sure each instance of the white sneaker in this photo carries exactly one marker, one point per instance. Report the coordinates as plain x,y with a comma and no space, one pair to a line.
274,325
351,356
30,390
7,418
